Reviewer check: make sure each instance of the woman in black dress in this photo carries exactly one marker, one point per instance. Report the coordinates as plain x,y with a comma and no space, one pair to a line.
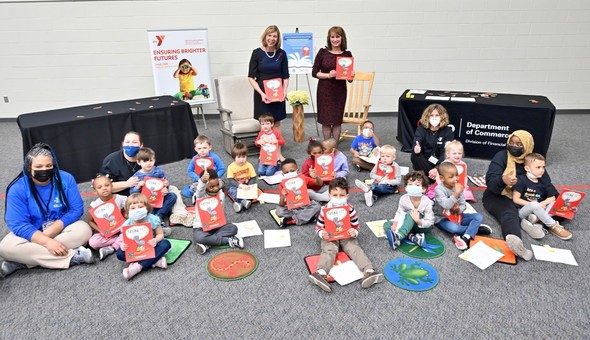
267,62
331,93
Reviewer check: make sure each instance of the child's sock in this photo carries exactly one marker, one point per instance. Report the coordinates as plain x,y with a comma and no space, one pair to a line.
322,272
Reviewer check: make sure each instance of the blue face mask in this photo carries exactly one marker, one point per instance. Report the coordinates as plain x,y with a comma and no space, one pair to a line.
137,214
338,201
131,150
414,190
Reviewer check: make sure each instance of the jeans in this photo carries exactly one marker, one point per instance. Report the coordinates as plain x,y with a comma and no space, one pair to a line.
161,249
383,189
266,170
169,201
233,192
469,225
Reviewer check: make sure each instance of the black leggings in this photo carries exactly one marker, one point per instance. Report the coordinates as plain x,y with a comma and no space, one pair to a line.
504,211
421,163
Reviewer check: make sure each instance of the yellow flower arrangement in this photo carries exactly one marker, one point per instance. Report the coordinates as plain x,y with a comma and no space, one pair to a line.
298,98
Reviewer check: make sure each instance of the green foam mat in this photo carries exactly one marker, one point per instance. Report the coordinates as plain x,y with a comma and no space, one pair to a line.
177,249
431,248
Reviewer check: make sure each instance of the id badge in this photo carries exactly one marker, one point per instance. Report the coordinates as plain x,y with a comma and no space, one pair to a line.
433,160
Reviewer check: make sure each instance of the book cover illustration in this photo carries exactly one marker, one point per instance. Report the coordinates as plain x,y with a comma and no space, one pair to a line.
324,166
337,223
203,163
455,218
108,218
136,238
344,68
297,195
269,154
385,171
273,88
210,212
152,189
567,203
462,174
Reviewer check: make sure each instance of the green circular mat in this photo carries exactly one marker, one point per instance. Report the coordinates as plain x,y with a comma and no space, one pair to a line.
431,248
232,265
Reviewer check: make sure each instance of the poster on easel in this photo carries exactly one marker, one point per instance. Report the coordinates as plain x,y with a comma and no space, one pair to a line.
299,49
180,64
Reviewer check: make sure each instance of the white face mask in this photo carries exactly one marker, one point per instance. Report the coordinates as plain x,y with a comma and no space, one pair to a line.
366,133
290,174
434,121
137,214
338,201
414,190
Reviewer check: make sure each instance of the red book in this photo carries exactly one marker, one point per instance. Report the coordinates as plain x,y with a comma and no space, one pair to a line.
566,204
385,171
210,212
462,173
324,166
269,154
136,238
108,218
337,223
456,218
344,67
152,189
297,195
203,163
273,88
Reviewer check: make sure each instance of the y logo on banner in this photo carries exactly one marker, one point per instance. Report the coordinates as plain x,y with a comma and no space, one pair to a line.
160,40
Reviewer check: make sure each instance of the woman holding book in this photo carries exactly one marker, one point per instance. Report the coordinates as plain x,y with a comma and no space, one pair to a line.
43,210
331,93
269,62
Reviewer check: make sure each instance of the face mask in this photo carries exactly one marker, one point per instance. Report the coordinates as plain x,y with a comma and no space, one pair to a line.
338,201
366,133
137,214
515,150
531,176
43,175
414,190
131,150
434,121
290,174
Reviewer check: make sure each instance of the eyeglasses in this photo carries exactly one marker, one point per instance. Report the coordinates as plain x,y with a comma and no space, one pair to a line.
185,66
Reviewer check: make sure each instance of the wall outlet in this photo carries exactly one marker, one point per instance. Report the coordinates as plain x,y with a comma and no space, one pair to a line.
6,99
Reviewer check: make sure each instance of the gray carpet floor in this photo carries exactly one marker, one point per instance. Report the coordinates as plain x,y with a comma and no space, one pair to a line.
533,299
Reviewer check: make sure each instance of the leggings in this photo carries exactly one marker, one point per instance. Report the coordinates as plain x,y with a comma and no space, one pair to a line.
504,211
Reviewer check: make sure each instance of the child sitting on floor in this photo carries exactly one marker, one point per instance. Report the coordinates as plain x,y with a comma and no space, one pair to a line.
454,154
414,215
534,193
268,135
316,192
450,207
201,161
363,145
386,176
240,173
338,189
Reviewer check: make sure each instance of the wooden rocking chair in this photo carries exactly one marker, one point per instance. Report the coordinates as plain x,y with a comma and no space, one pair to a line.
357,106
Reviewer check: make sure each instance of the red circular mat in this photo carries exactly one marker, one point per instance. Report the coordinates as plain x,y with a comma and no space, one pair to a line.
232,265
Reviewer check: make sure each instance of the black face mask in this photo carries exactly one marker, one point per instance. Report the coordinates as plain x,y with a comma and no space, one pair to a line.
515,150
43,175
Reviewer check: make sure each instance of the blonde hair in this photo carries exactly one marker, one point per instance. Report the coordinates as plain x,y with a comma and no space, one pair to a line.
137,198
533,156
271,29
202,139
387,149
444,115
453,144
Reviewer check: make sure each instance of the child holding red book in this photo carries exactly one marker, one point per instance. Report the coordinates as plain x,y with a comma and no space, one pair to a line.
316,192
450,207
204,159
240,173
208,185
103,187
138,211
338,189
270,141
386,176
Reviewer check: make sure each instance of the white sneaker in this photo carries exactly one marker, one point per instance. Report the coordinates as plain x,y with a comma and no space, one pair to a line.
161,263
104,252
516,246
361,185
237,207
369,198
201,248
82,255
247,204
533,218
236,241
534,230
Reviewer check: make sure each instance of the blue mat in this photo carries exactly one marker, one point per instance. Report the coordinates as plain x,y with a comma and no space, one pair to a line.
411,274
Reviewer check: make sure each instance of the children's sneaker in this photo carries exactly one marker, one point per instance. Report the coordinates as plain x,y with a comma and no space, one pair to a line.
371,278
285,222
393,238
237,207
358,167
533,218
246,204
460,242
534,230
167,231
361,185
161,263
186,220
131,271
319,280
417,239
236,242
517,247
558,231
104,252
201,248
82,255
9,267
370,198
484,229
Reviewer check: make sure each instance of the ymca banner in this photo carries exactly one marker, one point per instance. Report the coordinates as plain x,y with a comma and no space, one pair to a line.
180,64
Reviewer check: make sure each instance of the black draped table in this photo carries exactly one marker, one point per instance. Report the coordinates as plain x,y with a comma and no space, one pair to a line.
82,136
482,121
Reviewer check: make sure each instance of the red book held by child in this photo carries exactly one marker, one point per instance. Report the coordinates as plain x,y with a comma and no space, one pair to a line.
385,171
273,88
324,166
269,154
136,238
567,203
455,218
297,195
344,67
108,218
462,173
202,164
210,212
152,189
337,223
